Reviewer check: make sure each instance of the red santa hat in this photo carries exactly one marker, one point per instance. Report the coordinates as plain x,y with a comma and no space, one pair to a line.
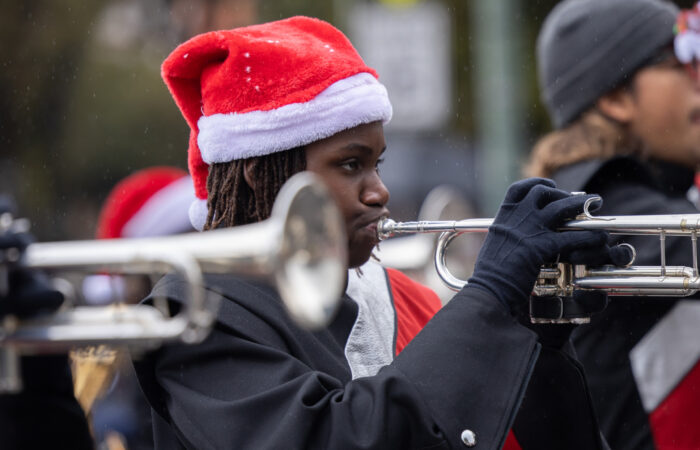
149,202
266,88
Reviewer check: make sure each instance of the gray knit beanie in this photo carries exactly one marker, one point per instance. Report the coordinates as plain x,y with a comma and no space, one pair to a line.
587,47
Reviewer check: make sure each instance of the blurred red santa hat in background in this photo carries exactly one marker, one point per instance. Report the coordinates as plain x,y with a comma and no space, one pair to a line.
150,202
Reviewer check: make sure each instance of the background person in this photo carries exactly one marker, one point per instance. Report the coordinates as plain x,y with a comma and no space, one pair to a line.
150,202
627,119
267,101
45,412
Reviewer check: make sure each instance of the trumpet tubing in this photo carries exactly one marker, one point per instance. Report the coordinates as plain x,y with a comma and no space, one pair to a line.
563,280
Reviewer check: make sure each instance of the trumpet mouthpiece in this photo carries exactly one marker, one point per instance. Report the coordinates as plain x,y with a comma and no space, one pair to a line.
385,228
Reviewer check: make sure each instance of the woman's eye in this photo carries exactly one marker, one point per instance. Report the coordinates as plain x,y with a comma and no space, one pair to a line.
350,165
380,161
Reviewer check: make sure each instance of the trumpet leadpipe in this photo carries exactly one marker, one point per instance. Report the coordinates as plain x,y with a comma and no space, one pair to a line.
670,224
387,228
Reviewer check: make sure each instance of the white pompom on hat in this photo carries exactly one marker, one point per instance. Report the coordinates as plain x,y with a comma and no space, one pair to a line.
266,88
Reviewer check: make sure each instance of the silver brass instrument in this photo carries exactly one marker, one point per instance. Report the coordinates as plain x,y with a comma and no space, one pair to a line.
301,249
563,279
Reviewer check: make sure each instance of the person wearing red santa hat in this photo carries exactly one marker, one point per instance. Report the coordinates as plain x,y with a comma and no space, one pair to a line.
393,370
45,411
149,202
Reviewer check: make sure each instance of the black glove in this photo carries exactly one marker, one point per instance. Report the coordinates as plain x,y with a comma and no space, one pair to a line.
523,237
23,292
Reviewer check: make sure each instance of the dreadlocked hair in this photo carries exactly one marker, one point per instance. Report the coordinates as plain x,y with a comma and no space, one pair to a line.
231,201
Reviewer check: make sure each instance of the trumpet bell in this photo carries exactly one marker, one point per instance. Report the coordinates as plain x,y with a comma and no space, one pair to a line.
301,249
312,257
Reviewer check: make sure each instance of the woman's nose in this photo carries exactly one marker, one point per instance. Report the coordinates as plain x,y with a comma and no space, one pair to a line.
375,192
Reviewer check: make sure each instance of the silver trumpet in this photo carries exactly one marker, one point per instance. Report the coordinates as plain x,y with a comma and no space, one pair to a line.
561,280
301,249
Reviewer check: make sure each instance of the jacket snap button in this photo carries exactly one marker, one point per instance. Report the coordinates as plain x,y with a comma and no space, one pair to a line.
469,438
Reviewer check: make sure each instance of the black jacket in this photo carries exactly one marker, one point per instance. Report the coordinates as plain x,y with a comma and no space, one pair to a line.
261,382
45,414
618,366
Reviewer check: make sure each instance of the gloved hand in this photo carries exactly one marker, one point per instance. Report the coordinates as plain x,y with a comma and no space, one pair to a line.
23,292
523,237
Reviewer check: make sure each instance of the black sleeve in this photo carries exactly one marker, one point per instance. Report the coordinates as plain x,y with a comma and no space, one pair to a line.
45,414
247,387
557,411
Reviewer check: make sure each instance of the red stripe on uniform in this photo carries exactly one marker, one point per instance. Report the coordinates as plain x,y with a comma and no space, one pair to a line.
415,305
511,442
674,421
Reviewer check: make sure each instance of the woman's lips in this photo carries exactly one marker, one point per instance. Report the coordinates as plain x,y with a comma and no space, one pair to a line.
369,232
695,116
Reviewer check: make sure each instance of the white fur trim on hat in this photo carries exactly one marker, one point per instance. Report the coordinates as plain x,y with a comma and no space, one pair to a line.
166,212
345,104
198,214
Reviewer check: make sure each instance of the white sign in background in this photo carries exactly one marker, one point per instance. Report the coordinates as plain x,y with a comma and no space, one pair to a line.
410,49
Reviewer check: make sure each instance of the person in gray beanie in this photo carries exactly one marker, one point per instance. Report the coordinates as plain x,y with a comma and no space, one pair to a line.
626,114
611,39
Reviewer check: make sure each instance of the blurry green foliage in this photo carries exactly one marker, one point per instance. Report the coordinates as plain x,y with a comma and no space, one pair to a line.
76,117
42,45
278,9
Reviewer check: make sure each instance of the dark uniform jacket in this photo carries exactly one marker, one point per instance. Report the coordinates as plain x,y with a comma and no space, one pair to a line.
259,381
640,353
45,414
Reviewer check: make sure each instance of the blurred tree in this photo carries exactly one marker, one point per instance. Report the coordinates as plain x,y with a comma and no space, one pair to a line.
121,117
42,44
82,103
279,9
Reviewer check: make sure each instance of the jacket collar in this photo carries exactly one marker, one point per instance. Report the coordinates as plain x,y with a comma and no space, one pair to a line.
670,178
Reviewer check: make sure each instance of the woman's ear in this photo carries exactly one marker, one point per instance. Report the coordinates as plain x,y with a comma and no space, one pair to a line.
248,172
618,105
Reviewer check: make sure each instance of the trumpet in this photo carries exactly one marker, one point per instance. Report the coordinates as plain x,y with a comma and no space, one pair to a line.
561,279
301,249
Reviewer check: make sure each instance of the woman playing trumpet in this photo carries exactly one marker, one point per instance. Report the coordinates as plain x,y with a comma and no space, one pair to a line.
393,370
